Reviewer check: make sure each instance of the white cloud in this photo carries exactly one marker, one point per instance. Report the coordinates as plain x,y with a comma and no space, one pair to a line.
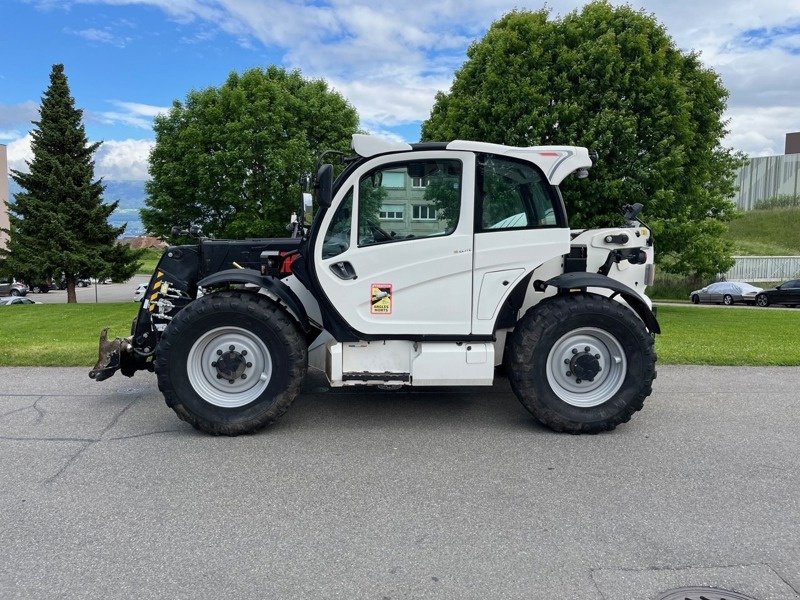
134,114
102,36
123,159
762,129
19,151
115,159
390,58
9,134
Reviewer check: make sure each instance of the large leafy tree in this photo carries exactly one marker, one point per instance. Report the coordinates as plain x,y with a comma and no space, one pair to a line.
612,79
59,222
229,158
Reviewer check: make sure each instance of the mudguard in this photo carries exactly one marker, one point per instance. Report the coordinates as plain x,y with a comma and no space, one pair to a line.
582,280
274,286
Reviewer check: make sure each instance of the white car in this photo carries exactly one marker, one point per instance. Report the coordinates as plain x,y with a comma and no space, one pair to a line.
16,300
138,294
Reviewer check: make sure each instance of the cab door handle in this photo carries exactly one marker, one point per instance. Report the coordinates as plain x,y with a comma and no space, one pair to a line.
344,270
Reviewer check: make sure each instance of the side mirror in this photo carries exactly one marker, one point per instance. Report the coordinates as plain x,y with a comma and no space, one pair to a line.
324,185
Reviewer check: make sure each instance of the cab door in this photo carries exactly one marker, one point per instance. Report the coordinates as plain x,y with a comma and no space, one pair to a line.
520,224
394,253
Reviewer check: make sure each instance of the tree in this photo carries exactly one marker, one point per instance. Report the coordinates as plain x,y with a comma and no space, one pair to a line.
59,222
229,158
609,78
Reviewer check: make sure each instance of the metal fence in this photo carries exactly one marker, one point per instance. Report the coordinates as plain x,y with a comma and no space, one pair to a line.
764,268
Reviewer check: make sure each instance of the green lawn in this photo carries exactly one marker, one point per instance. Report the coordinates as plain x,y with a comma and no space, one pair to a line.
728,336
67,334
63,335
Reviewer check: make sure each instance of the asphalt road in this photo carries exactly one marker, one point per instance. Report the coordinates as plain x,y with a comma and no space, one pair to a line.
110,292
452,493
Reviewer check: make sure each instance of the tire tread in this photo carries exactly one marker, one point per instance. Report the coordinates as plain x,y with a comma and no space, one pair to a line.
259,307
528,335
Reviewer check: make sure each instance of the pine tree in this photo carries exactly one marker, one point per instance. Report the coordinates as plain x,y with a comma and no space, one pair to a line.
59,223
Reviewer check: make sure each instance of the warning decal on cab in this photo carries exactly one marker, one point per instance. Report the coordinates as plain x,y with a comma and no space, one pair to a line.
381,300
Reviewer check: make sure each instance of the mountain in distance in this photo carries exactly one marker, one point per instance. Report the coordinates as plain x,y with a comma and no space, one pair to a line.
130,194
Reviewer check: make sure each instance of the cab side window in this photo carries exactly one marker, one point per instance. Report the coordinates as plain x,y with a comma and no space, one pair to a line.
409,200
337,238
514,195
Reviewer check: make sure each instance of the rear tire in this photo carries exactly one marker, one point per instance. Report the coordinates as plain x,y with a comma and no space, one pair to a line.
231,363
550,342
15,292
695,299
727,300
762,300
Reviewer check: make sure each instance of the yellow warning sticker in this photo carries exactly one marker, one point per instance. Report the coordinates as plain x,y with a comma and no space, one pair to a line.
381,299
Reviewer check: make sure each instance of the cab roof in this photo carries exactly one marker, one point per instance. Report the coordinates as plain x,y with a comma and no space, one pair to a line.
557,162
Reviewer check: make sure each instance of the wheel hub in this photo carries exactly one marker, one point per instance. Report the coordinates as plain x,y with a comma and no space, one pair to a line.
231,365
585,366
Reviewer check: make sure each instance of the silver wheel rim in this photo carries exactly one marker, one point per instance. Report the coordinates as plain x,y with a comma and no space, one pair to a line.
610,356
229,393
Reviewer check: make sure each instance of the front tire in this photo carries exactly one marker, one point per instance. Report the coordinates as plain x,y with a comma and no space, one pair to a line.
762,300
727,300
231,363
569,388
695,299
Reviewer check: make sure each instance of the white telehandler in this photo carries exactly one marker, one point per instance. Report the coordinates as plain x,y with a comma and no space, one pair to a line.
428,264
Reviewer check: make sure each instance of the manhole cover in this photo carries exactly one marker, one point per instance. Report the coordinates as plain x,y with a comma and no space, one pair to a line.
702,593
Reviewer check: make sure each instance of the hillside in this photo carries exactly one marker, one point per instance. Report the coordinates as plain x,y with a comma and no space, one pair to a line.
774,232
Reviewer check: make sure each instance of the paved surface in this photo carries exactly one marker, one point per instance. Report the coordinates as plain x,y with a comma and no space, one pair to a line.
426,494
110,292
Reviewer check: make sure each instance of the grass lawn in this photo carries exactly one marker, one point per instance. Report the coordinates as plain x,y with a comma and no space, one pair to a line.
67,334
728,336
63,335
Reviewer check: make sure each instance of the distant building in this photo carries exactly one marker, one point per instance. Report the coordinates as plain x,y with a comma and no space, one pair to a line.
792,143
4,223
766,177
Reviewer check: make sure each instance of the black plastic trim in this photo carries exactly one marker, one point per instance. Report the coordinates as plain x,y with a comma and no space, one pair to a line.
275,286
569,281
369,376
507,315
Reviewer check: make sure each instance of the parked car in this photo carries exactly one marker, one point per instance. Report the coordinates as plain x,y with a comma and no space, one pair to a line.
16,300
726,292
40,287
83,282
138,294
787,293
12,287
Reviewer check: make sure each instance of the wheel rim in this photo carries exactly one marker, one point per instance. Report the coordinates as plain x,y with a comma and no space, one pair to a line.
229,367
605,358
761,300
727,300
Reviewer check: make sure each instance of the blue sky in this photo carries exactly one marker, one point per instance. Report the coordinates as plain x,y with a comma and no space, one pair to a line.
128,59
